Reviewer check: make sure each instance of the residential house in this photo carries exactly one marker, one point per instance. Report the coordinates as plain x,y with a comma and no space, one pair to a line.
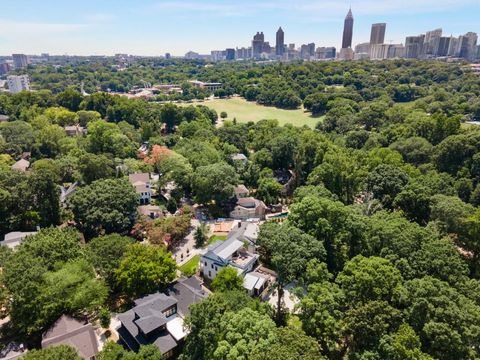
21,165
75,333
241,191
4,118
255,283
15,238
74,130
142,185
158,318
230,252
150,211
240,158
248,208
67,192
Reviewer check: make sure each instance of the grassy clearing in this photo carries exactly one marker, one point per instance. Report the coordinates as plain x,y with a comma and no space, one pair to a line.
214,238
245,111
191,266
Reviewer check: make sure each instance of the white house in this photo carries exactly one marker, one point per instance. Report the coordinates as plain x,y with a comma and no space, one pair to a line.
230,252
142,185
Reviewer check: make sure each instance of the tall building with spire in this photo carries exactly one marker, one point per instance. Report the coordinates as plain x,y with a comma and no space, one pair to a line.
280,44
348,31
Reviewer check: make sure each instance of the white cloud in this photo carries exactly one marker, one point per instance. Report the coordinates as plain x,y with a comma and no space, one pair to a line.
22,29
319,8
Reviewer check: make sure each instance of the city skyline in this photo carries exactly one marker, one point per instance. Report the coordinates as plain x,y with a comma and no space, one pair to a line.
155,27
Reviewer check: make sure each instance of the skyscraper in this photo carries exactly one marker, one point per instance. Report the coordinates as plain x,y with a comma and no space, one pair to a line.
280,44
414,46
348,31
230,54
258,44
443,46
467,46
432,42
20,61
377,35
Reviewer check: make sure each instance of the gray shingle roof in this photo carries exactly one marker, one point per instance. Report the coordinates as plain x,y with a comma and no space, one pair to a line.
72,332
145,323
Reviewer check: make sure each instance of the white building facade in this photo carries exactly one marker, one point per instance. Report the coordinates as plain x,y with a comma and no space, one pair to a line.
18,83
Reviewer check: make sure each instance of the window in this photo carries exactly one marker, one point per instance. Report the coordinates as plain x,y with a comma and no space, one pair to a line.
209,274
171,311
216,268
205,263
212,266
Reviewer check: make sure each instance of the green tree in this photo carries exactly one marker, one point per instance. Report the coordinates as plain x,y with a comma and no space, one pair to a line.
292,344
200,235
368,279
95,167
404,344
288,250
414,201
60,352
448,212
469,240
214,182
268,190
105,253
340,173
444,319
72,288
316,103
104,317
203,322
321,309
114,351
385,182
227,279
70,99
145,269
365,324
105,206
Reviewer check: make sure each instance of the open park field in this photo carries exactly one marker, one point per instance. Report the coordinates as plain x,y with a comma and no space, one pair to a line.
245,111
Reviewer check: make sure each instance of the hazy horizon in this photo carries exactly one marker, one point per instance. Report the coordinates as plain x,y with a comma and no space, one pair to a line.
153,27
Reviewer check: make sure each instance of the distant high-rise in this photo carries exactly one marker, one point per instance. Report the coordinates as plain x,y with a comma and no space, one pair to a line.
443,46
377,35
20,61
432,42
258,43
348,31
467,46
307,51
452,47
414,46
324,53
230,54
280,44
4,68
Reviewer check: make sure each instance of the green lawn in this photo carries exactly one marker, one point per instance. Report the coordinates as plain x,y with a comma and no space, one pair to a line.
245,111
214,238
191,266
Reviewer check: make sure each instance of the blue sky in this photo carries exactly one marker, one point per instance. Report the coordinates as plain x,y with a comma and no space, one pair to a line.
153,27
